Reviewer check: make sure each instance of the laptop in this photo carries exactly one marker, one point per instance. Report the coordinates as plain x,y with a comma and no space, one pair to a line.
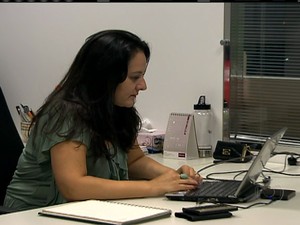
233,191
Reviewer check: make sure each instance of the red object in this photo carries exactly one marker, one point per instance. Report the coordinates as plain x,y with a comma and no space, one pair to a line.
227,73
227,81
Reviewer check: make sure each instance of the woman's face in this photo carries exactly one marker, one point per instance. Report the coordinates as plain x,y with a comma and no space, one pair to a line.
127,91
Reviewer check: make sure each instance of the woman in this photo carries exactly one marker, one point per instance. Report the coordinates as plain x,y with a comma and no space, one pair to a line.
83,142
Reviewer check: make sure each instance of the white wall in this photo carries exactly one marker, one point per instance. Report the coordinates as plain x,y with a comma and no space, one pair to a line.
38,42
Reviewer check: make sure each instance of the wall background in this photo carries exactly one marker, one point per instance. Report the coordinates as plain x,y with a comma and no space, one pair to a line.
39,41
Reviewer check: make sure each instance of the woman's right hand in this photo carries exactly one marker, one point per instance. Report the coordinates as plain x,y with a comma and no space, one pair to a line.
171,182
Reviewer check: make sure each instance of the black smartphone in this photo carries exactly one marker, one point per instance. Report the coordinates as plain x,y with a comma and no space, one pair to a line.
209,209
194,217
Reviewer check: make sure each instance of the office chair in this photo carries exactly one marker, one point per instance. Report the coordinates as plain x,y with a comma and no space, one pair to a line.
11,146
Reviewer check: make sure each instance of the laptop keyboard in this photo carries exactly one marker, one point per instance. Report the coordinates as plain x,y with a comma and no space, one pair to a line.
215,188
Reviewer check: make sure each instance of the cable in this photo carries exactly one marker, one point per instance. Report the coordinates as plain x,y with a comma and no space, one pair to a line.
282,173
240,207
257,203
220,162
239,172
286,153
292,160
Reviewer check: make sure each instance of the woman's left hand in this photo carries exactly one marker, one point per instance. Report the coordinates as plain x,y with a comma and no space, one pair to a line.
190,172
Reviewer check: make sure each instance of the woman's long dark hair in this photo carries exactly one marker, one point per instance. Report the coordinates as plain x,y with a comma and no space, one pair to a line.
85,96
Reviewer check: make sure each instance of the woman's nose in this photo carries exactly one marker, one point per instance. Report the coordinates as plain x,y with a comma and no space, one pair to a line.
142,85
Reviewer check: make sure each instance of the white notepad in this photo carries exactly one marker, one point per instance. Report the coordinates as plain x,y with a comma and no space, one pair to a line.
107,212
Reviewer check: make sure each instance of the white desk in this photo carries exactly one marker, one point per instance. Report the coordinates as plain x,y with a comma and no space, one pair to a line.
278,213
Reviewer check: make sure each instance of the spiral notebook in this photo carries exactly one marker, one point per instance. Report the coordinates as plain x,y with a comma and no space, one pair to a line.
105,212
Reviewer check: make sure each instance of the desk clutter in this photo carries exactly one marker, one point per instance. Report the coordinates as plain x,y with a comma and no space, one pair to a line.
150,139
153,141
26,115
233,152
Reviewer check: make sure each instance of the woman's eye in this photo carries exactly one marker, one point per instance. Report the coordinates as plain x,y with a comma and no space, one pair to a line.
136,77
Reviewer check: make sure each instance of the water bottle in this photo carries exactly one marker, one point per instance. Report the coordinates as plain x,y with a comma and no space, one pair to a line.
203,122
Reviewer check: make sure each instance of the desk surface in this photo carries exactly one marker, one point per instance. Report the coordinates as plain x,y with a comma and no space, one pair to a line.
277,213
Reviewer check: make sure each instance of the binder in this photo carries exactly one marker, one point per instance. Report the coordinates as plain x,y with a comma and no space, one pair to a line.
105,212
180,138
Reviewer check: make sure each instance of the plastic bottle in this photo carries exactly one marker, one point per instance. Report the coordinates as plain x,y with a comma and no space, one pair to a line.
203,122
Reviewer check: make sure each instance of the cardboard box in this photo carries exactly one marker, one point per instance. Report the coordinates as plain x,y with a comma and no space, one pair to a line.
153,141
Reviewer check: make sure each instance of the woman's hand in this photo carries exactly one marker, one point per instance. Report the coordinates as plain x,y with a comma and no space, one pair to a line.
171,181
190,172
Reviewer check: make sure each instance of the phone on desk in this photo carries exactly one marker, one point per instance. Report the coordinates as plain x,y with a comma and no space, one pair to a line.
206,212
194,217
210,209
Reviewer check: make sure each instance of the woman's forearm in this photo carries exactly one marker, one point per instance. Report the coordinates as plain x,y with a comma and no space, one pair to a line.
146,168
89,187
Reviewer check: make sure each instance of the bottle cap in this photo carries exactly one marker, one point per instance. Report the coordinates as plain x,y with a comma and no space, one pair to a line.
201,105
225,104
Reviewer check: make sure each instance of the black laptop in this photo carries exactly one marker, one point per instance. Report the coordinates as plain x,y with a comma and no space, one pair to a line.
233,191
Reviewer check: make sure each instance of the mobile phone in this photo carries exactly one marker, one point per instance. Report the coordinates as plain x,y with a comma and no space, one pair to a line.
210,209
194,217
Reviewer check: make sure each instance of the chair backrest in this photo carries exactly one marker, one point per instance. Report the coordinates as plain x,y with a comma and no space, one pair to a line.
11,146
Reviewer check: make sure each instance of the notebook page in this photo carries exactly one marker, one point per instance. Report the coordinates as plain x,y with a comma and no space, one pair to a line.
106,211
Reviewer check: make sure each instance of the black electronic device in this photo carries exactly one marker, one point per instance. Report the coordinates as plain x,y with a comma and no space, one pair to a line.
293,161
195,217
209,209
233,152
206,212
277,194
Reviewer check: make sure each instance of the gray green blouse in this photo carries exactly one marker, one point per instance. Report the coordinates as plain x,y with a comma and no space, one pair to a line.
33,184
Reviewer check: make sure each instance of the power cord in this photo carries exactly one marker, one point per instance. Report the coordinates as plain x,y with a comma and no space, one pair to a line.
292,160
286,162
217,162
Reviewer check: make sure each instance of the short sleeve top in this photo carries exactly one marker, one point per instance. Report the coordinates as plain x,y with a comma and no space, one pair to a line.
33,184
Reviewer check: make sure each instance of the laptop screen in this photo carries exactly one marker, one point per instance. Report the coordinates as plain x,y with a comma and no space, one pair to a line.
261,159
